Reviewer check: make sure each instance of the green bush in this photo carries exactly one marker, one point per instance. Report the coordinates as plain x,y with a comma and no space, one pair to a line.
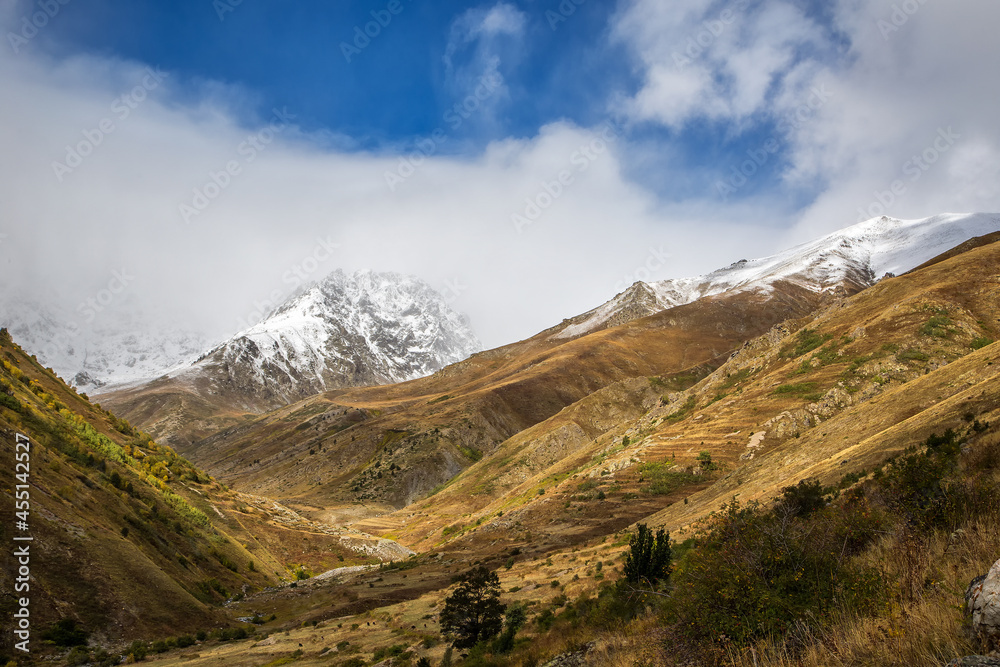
937,326
912,355
10,402
664,478
138,650
804,390
806,341
755,573
648,561
78,656
979,343
803,499
64,632
232,634
388,652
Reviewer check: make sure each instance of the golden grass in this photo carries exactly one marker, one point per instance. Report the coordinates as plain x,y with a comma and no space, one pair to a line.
924,624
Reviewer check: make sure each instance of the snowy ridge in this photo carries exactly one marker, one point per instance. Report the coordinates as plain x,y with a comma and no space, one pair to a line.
862,253
119,346
348,330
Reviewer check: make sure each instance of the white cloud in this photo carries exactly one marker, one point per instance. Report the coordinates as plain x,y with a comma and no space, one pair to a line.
451,221
484,45
895,93
726,62
483,25
891,80
503,19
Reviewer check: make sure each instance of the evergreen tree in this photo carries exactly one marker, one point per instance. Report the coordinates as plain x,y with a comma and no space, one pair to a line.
648,560
474,612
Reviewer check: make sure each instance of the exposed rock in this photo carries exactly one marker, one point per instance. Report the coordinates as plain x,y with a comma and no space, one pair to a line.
975,661
574,659
982,599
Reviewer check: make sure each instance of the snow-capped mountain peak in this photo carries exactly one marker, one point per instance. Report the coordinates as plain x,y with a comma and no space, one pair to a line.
860,254
346,330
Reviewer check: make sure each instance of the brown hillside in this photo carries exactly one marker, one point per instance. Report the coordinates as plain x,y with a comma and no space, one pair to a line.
392,445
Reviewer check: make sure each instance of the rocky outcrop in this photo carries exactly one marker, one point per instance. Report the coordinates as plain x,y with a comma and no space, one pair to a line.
574,659
975,661
983,601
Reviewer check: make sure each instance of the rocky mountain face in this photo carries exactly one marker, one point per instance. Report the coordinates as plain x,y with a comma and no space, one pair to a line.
349,330
346,331
858,256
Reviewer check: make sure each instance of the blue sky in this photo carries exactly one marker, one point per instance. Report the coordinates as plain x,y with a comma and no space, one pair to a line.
143,135
393,89
399,85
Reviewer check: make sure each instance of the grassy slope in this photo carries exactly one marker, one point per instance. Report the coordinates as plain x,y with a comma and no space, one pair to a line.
182,530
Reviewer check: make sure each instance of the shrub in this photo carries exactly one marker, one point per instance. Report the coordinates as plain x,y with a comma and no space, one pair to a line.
803,499
137,650
664,478
648,559
64,632
979,343
804,390
806,341
10,402
78,656
937,326
388,652
912,355
755,573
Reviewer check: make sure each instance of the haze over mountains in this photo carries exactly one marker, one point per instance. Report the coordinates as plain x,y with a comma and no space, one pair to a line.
91,349
344,331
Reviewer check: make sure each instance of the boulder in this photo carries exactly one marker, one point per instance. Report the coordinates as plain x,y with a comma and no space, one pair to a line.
983,601
974,661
